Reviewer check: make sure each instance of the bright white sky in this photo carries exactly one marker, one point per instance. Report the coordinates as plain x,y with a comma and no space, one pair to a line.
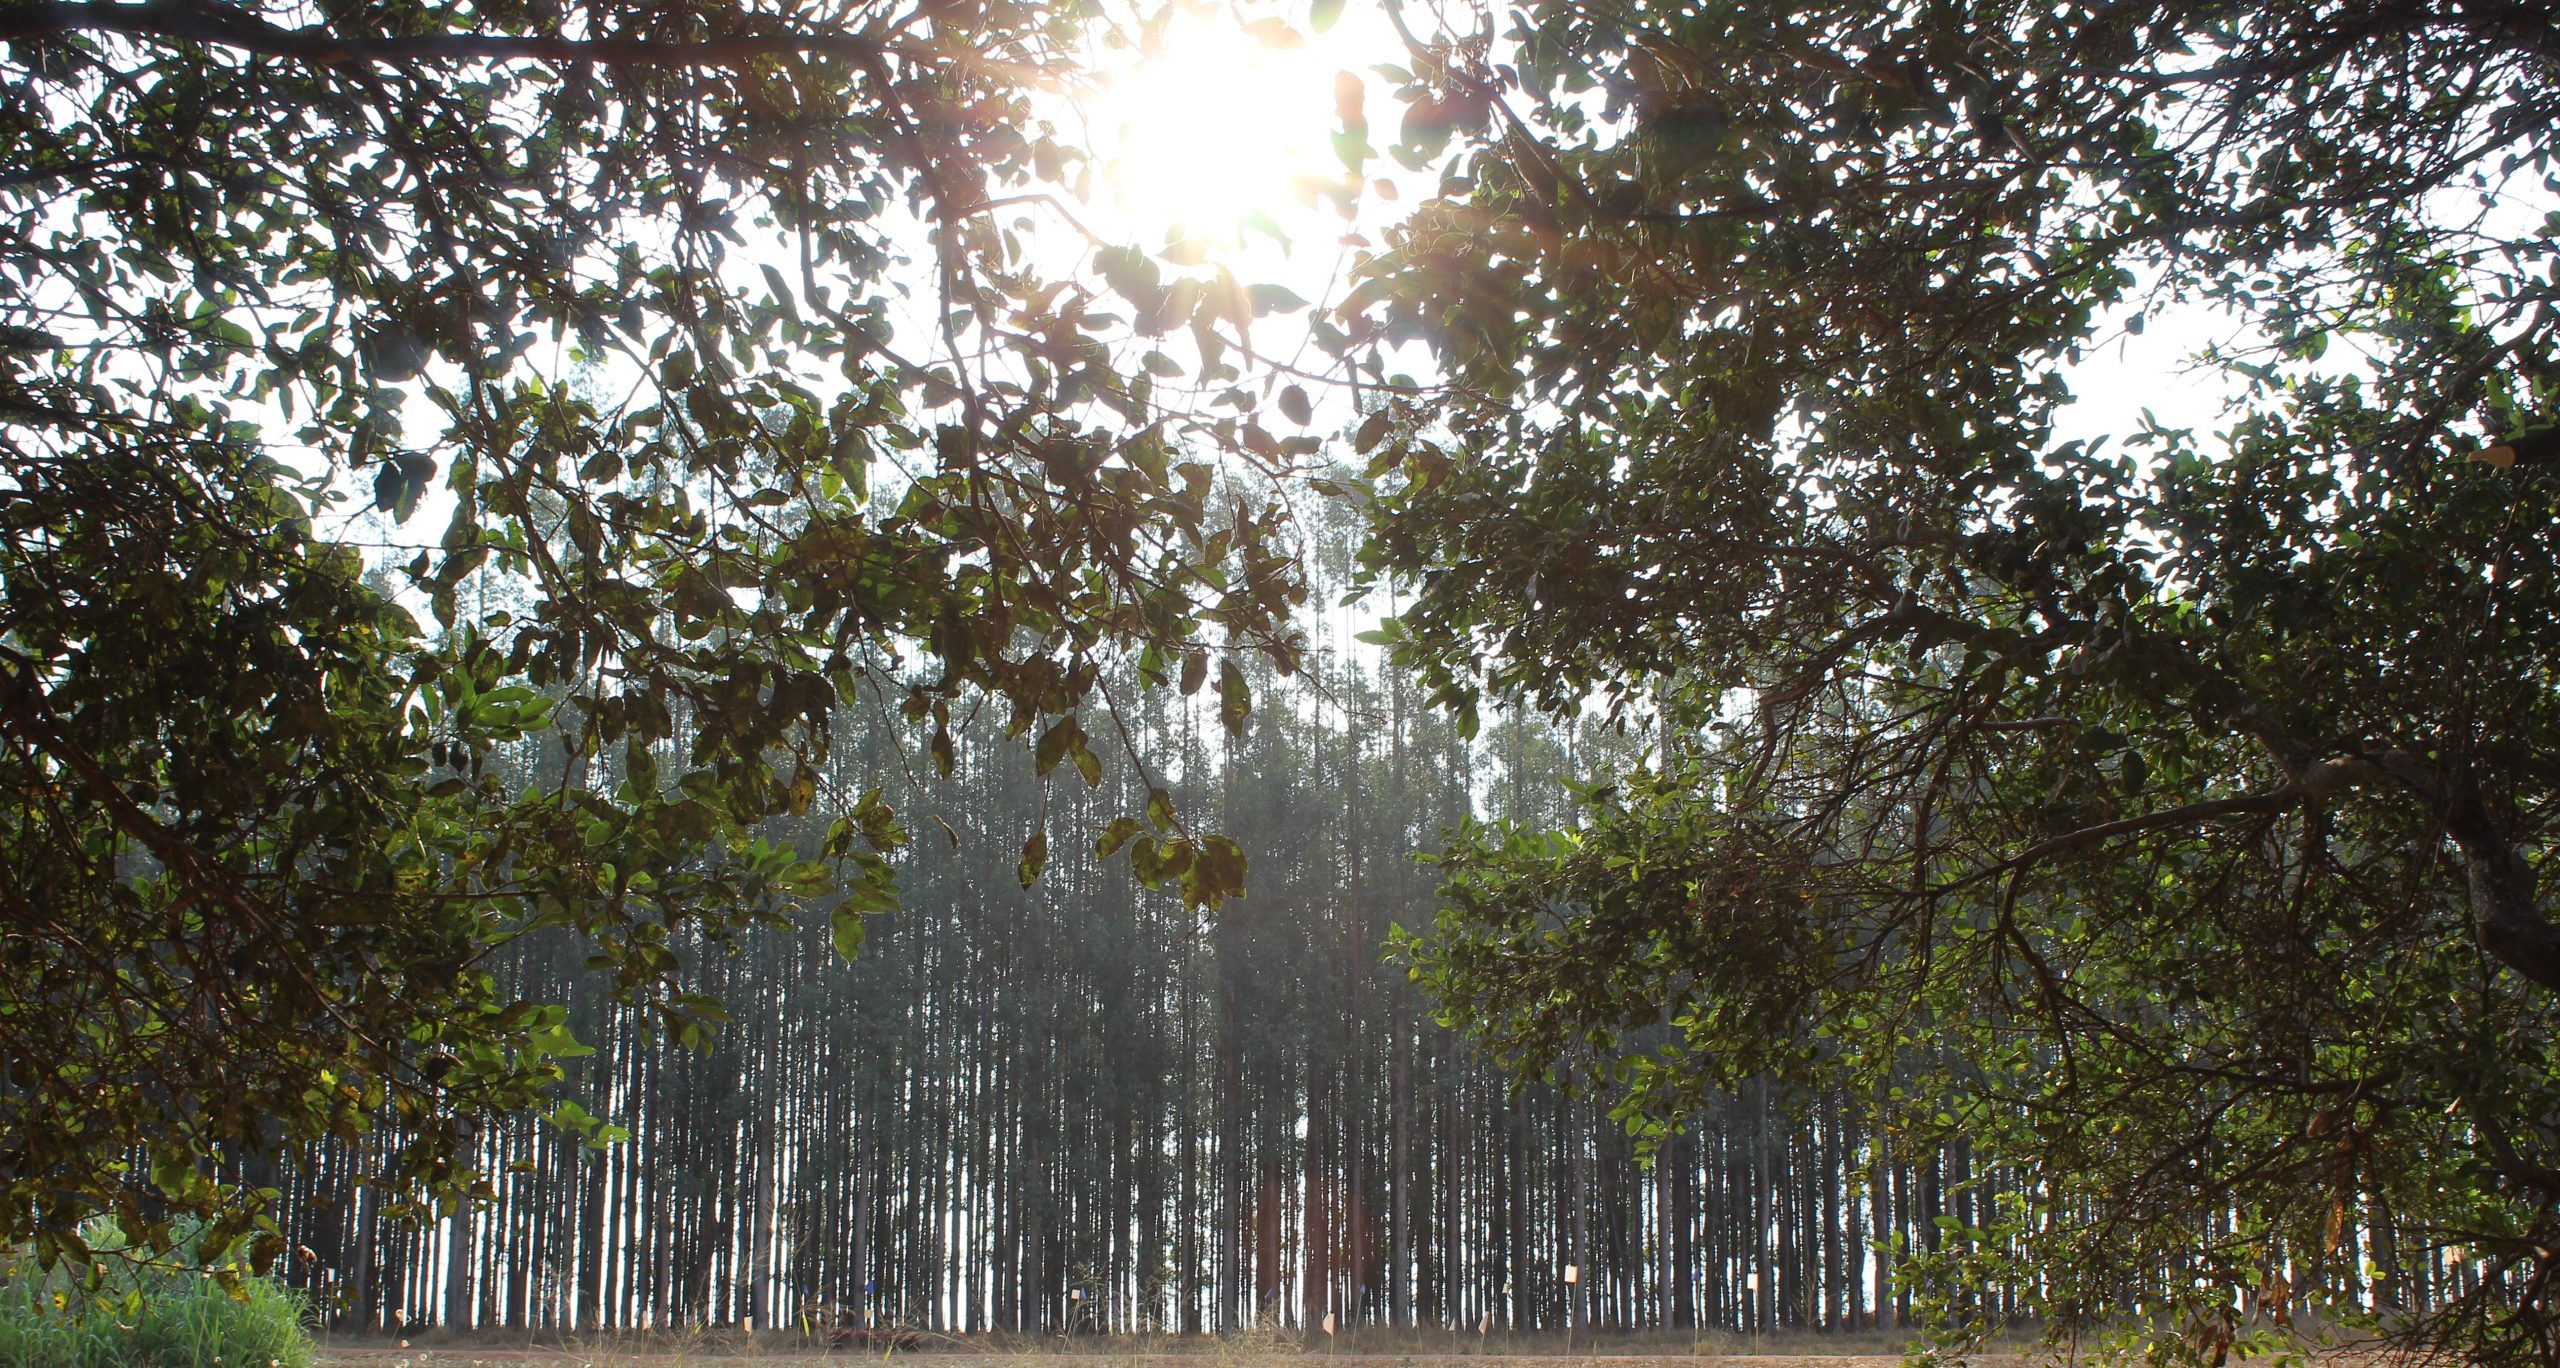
1213,127
1207,134
1217,134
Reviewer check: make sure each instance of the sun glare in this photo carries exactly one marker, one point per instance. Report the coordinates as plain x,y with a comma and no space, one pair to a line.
1215,123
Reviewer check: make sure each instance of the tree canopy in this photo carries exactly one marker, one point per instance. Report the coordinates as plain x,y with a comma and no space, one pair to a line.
2160,809
694,354
2174,802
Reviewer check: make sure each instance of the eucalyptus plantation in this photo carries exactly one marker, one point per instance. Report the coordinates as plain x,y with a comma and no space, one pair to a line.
1073,1104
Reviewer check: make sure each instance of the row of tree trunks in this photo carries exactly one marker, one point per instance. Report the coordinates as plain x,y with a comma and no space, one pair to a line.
1082,1107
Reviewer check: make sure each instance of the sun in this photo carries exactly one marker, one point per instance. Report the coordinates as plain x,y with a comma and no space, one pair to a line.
1214,123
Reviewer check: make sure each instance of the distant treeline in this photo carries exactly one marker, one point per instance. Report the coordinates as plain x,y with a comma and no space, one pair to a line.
1081,1107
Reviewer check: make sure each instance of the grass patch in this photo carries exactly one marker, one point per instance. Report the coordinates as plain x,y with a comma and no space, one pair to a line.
130,1311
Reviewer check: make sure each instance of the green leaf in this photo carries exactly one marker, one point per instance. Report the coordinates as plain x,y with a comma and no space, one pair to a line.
1035,857
847,928
1295,406
1216,873
1352,149
1055,743
1269,299
781,294
1235,697
1119,833
1373,430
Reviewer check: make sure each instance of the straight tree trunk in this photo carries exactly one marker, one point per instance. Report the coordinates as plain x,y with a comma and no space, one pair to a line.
459,1258
361,1306
1400,1171
593,1174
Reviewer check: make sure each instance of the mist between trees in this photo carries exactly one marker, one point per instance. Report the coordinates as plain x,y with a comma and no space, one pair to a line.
1078,1107
1012,1097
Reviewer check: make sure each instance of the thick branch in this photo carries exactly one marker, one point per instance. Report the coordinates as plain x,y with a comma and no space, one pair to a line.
2314,783
168,20
23,711
2504,916
2502,1153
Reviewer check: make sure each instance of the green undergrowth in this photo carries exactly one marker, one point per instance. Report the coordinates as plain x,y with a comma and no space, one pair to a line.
125,1310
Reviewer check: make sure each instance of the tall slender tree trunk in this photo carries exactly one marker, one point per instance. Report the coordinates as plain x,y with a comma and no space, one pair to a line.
1455,1247
1400,1169
1666,1258
760,1229
458,1261
1764,1187
593,1173
1577,1227
1314,1215
361,1307
858,1253
1854,1251
1187,1234
763,1106
1515,1225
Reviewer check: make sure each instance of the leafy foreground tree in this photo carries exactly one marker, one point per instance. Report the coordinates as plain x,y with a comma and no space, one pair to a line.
2165,813
251,849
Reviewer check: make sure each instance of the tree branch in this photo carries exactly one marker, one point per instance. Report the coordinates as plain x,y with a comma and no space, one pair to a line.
176,21
2315,782
2504,915
23,711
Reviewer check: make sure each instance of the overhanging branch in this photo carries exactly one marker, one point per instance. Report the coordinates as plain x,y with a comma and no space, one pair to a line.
243,31
2316,782
2506,916
23,712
